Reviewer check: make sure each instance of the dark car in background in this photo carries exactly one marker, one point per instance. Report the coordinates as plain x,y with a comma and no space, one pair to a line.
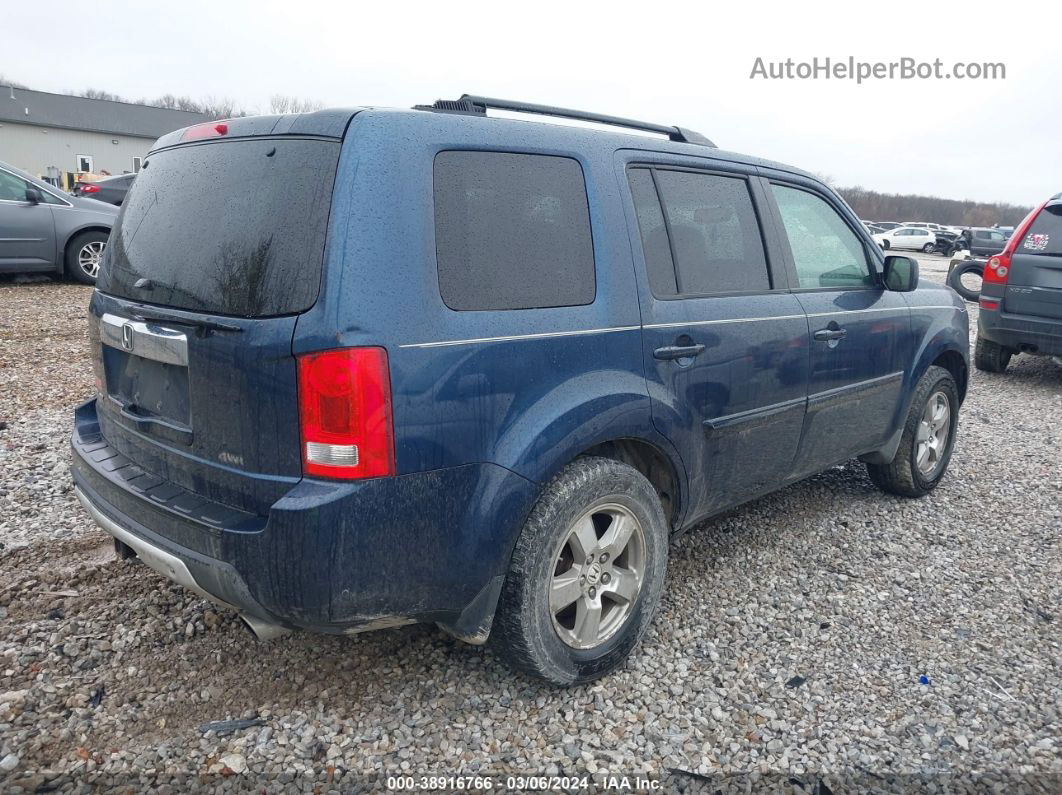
984,241
362,368
45,230
1021,292
109,189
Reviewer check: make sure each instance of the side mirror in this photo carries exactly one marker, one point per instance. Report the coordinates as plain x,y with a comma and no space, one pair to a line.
901,274
33,194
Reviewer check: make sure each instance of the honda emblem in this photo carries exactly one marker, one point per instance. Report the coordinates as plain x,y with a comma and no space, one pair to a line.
127,337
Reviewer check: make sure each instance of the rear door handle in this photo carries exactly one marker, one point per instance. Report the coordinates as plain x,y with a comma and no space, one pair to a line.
828,334
678,351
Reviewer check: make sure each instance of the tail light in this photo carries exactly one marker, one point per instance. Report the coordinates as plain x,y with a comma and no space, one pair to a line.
997,270
88,189
210,129
345,414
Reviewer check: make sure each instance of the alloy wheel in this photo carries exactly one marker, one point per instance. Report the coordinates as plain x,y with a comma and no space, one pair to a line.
597,577
89,257
931,440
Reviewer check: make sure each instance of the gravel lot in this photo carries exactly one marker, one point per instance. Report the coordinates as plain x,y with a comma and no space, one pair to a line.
826,631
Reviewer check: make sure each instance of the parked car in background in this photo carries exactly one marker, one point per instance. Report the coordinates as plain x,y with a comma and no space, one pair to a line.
984,242
887,225
1021,292
873,228
924,225
907,237
109,189
45,230
427,365
947,243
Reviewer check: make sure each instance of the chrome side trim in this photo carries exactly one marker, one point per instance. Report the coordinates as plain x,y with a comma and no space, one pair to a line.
516,337
765,318
147,340
724,320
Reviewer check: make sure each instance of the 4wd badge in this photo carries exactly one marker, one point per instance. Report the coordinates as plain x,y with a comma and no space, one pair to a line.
1037,242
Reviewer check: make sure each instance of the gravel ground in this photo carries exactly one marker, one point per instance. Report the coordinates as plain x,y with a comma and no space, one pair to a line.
826,631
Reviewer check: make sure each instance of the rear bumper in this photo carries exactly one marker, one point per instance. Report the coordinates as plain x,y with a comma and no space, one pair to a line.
183,566
1021,332
329,556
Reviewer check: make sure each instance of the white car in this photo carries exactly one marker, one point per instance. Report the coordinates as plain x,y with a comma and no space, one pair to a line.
913,237
925,225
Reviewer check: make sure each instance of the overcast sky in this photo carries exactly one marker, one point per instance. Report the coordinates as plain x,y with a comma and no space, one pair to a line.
990,140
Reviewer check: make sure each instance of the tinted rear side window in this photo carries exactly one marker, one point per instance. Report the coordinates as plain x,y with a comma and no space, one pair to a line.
233,228
715,236
1045,234
512,231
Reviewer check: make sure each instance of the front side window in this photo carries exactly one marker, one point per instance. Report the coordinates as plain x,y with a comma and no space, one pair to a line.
12,189
512,231
714,233
826,252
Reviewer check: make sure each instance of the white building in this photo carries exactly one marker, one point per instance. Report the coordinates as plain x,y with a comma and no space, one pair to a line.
59,136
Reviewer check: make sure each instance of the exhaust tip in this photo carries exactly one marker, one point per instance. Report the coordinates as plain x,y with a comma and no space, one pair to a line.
263,630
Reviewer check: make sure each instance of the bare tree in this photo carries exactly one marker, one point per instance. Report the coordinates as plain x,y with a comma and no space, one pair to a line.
96,93
282,103
221,108
4,81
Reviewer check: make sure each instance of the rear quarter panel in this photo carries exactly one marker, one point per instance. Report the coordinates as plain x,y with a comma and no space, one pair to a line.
526,389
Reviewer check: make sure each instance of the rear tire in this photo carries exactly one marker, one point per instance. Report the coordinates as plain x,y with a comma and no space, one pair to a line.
991,357
572,547
928,248
927,441
83,254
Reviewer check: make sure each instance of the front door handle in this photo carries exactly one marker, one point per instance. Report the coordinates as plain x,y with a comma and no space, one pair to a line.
830,334
678,351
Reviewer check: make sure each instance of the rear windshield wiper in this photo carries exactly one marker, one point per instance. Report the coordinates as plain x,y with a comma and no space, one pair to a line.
164,317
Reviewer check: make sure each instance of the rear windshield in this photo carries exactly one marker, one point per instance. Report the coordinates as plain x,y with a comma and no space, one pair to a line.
231,228
1045,234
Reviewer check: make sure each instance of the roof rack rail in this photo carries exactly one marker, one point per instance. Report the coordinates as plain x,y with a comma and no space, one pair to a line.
475,105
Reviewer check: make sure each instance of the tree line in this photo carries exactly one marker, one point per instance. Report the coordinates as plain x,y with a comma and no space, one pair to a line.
873,206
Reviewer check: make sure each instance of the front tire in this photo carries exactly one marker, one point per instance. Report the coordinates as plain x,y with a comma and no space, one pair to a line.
927,441
928,248
83,256
991,357
586,575
886,245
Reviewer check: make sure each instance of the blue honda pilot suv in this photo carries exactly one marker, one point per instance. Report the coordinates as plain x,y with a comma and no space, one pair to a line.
363,368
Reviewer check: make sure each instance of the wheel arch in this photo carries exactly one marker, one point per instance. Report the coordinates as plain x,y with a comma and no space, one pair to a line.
953,361
73,234
657,467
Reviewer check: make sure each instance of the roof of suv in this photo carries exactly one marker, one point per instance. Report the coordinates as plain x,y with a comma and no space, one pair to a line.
332,123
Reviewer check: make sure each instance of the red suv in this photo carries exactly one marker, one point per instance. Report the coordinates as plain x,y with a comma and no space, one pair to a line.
1021,298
